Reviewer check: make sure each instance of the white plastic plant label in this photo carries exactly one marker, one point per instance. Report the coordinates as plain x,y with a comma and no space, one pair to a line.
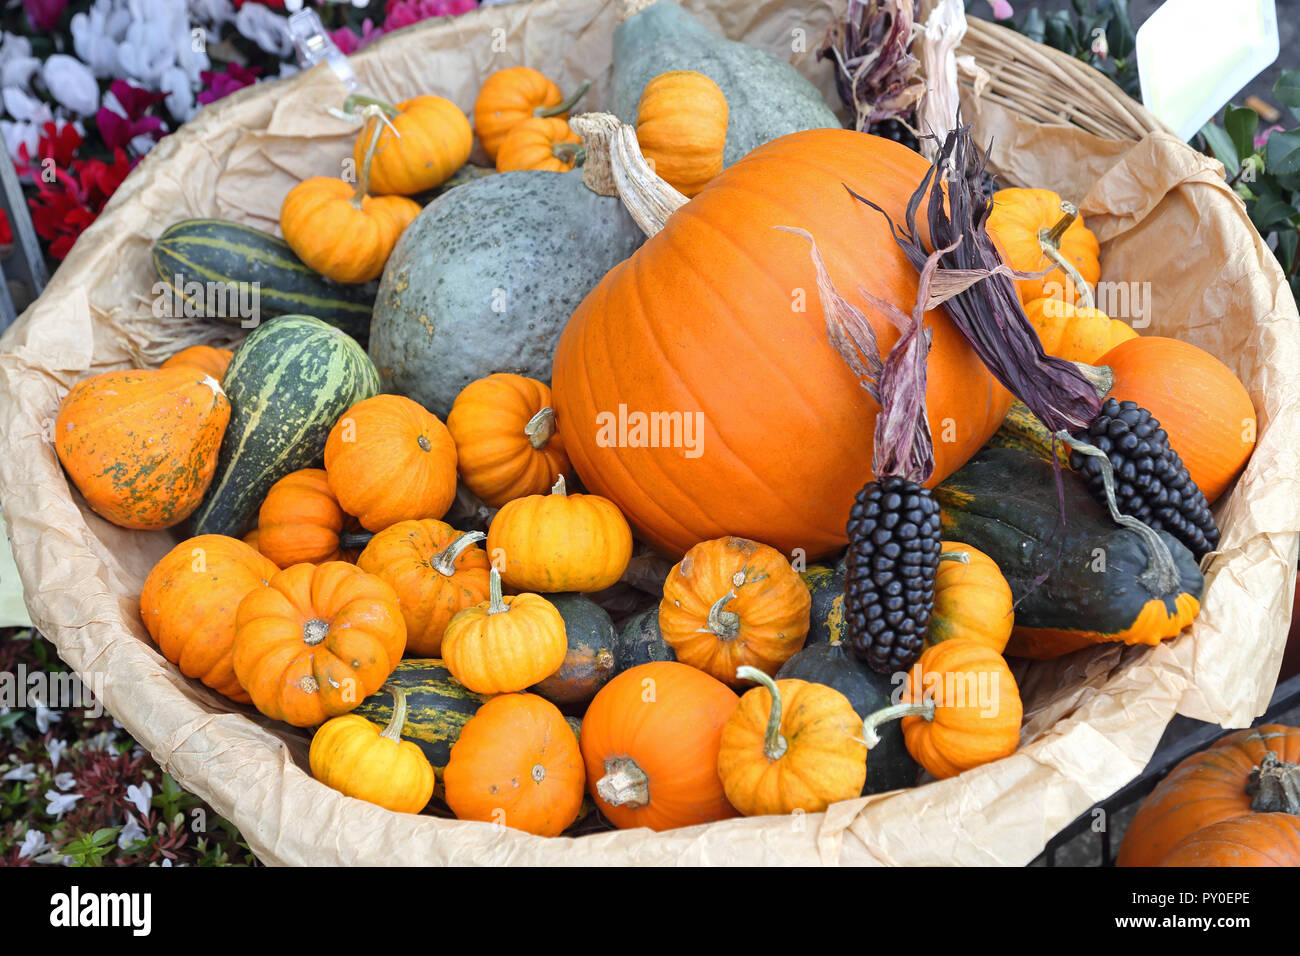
1195,55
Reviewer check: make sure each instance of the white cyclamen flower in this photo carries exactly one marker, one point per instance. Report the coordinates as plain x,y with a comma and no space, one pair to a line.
23,772
97,33
180,94
213,13
141,796
131,833
44,716
72,84
60,803
65,780
55,749
268,30
33,843
17,65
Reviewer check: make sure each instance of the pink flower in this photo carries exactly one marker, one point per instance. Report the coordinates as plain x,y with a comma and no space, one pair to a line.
118,130
1001,10
346,39
45,14
403,13
1261,139
223,84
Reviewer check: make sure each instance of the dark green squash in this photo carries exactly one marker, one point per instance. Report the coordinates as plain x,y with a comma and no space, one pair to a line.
589,663
1004,502
437,707
766,96
826,618
639,641
486,277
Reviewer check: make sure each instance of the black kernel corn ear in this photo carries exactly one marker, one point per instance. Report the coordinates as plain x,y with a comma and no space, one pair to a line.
893,558
1151,482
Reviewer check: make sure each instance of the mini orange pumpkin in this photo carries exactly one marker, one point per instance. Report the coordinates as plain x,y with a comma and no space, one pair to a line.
510,96
650,740
388,459
517,763
505,644
436,571
506,443
681,125
960,708
542,143
1198,401
1075,333
732,602
189,602
560,542
141,446
205,358
791,745
433,141
972,599
318,641
300,521
355,757
1033,229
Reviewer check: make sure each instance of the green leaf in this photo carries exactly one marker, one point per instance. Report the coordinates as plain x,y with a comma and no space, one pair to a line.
1222,147
1060,32
1241,123
1120,34
1270,210
1287,91
1034,26
1283,152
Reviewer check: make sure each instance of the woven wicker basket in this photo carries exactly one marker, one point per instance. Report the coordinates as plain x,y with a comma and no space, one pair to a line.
1096,718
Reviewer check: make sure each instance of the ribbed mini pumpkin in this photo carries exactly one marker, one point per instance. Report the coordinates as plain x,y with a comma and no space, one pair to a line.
433,141
205,358
542,143
504,645
650,740
1220,784
971,599
1030,225
790,746
517,764
960,708
506,443
340,231
142,445
1074,332
189,601
357,758
681,125
301,521
388,459
733,602
1199,402
560,542
509,97
318,641
436,571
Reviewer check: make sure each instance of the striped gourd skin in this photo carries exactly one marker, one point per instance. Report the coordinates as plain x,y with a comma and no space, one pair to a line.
288,383
216,251
437,707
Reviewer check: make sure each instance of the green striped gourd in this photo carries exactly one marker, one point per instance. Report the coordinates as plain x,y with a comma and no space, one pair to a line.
288,384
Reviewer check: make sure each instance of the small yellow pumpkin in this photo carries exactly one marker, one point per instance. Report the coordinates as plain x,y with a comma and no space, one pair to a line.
544,143
681,125
355,757
1074,332
509,97
433,141
971,599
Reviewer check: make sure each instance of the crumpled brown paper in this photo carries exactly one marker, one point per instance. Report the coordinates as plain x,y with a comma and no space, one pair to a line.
1092,719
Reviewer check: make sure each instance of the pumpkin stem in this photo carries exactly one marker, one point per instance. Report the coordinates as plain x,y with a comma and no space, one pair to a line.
444,562
1274,786
314,631
574,153
397,722
630,8
1161,574
360,99
351,541
1049,240
566,104
725,624
624,785
774,743
559,487
615,167
363,180
885,715
961,557
541,428
495,604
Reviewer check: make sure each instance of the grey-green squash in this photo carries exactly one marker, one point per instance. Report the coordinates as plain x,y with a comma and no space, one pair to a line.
288,383
486,277
589,662
640,641
766,96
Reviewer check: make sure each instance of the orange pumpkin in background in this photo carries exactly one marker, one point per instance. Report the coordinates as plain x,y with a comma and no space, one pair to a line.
1018,222
205,358
746,407
1198,401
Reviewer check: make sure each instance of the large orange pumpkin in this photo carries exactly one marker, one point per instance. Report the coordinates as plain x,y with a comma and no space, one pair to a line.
695,386
1197,399
1206,790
